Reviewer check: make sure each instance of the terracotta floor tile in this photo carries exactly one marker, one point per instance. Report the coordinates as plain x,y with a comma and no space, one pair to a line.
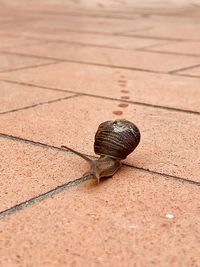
13,96
28,171
133,219
145,216
108,56
151,88
170,140
11,62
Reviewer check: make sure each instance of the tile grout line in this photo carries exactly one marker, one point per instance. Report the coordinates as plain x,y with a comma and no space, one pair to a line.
112,33
160,38
185,68
146,104
146,49
84,44
173,177
108,98
55,61
121,34
26,141
186,75
31,142
85,62
140,49
117,34
43,196
67,186
110,16
49,41
85,15
59,60
39,104
187,111
36,143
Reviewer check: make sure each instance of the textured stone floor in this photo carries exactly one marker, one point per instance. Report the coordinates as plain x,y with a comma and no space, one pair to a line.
67,66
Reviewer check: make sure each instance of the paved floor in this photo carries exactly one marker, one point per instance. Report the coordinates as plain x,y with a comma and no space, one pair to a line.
67,66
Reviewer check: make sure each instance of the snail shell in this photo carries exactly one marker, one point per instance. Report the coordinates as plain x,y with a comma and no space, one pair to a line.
116,139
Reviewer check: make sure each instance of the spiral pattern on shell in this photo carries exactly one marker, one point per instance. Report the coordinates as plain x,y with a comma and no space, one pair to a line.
116,139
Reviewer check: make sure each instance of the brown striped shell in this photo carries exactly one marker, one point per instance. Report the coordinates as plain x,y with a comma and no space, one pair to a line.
116,139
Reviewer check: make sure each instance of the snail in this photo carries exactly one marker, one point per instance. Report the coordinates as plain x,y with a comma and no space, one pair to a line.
114,141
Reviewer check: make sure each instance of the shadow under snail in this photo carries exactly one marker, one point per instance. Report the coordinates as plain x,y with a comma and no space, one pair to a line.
114,141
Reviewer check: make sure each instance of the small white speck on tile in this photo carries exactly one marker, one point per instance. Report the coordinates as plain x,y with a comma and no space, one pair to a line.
132,226
169,215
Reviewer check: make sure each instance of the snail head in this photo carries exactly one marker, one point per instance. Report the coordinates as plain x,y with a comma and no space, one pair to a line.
104,166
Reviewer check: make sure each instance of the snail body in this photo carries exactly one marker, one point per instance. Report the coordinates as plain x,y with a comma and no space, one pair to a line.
114,141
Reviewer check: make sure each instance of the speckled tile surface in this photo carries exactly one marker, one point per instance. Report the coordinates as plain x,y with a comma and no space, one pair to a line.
65,67
133,218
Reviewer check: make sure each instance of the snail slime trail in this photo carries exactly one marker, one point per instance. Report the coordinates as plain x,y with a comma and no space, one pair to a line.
123,105
122,83
125,91
113,142
118,112
125,97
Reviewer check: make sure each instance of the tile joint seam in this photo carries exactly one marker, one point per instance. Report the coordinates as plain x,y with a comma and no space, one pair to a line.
42,197
43,145
56,191
173,109
40,104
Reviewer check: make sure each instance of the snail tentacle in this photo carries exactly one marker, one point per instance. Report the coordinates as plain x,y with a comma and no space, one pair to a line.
93,169
79,154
